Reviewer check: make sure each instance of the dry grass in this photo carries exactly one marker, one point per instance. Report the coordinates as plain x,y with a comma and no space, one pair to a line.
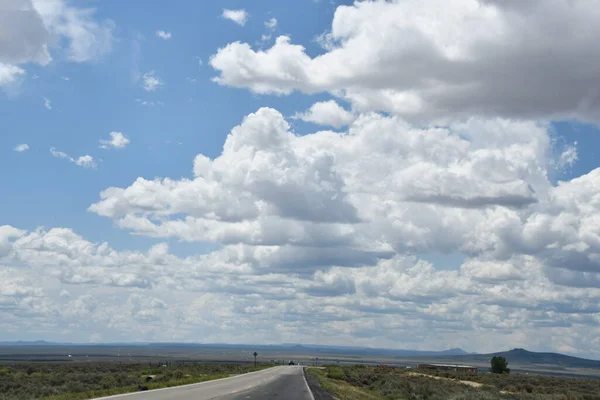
340,389
78,381
402,384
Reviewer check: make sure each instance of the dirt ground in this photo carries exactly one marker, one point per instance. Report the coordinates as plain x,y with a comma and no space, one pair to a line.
468,383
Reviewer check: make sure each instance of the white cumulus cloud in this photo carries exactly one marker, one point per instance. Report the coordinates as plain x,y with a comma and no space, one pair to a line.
117,140
343,212
10,74
327,113
47,103
88,38
30,28
86,161
444,70
21,147
269,187
238,16
151,82
163,35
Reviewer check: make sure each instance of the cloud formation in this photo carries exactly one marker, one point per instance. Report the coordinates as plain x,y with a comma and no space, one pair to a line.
57,277
444,70
479,188
151,82
445,152
568,157
271,23
149,103
238,16
117,140
163,35
326,113
30,28
10,74
86,161
21,147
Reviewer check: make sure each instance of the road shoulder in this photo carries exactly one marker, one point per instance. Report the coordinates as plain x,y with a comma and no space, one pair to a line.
315,387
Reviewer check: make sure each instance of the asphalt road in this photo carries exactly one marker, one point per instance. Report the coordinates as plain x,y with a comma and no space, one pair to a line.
278,383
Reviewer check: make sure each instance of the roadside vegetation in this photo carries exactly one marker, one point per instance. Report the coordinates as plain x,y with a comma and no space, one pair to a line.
499,365
359,382
73,381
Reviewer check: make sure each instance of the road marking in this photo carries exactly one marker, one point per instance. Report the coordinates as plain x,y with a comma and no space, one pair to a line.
182,386
306,383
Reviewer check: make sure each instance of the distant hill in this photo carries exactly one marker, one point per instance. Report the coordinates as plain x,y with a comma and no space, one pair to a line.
322,349
286,348
455,352
28,343
522,356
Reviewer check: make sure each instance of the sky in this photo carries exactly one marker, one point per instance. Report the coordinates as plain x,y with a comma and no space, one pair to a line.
404,174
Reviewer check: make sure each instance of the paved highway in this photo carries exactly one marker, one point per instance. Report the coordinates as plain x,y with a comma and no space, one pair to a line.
278,383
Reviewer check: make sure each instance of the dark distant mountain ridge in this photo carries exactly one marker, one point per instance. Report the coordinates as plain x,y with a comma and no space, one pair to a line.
522,356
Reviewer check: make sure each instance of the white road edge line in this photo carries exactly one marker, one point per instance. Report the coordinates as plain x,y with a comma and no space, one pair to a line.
180,386
312,397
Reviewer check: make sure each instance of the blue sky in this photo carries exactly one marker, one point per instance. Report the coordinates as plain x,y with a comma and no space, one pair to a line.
100,97
372,164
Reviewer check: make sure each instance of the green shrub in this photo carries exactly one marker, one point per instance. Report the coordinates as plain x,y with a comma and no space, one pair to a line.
499,365
178,374
335,373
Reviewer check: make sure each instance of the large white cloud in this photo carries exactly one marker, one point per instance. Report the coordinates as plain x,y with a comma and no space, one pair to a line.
269,180
56,281
31,30
439,59
23,35
349,199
